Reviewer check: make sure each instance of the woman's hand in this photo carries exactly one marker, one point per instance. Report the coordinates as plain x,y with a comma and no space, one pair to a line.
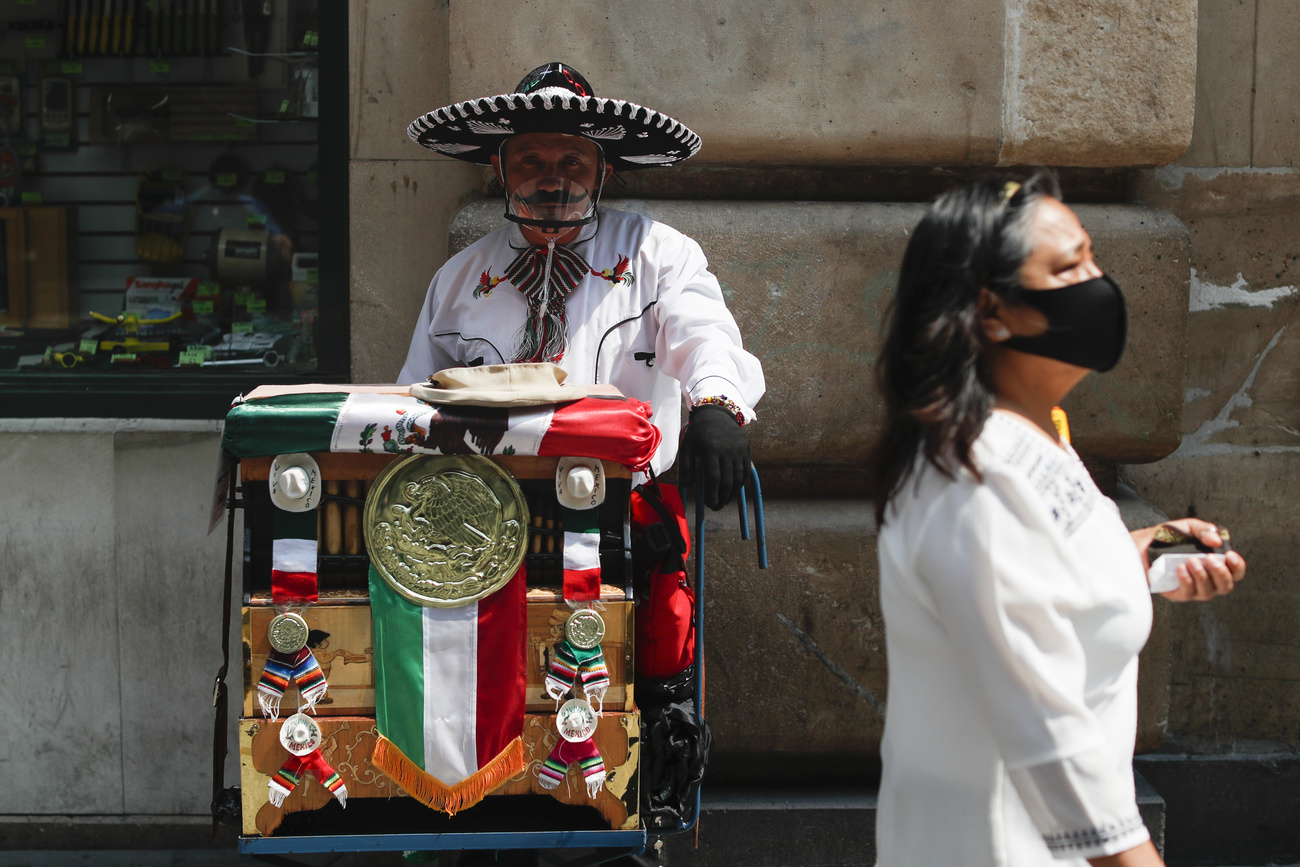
1201,578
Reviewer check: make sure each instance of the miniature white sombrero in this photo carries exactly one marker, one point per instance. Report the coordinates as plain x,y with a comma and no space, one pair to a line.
300,735
580,482
555,98
295,482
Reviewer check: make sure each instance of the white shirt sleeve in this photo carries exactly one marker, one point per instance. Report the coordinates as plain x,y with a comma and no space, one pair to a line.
1082,806
698,342
1004,587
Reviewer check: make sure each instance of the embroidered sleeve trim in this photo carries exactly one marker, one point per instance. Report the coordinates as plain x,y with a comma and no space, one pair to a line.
1075,842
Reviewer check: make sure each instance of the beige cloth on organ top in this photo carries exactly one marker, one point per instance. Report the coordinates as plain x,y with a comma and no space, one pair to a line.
499,385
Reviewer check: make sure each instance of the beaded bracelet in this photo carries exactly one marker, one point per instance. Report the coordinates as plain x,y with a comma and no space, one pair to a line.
726,403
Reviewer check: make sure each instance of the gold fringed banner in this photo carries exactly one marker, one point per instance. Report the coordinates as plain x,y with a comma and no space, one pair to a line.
434,793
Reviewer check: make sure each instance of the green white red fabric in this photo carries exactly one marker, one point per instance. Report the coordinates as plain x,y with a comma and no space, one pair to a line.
280,669
584,754
286,779
293,558
613,429
581,554
449,693
572,667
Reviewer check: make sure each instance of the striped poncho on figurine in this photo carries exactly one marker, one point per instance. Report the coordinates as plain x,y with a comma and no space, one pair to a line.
576,723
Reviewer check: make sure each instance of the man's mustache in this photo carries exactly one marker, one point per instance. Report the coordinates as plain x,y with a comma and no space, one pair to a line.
573,196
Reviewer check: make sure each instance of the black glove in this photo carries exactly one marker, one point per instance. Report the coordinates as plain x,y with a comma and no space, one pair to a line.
714,440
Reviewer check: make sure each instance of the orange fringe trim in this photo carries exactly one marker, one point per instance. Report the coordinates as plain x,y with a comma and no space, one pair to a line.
434,793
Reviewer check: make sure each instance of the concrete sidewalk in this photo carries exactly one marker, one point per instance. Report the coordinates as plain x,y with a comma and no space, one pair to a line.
211,858
195,858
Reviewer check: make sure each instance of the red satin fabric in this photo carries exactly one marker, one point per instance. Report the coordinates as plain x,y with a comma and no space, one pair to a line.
502,635
612,430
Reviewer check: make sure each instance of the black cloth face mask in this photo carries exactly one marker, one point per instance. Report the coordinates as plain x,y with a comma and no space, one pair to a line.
1087,324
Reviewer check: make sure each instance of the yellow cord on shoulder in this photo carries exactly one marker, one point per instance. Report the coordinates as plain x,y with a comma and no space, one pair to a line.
1062,424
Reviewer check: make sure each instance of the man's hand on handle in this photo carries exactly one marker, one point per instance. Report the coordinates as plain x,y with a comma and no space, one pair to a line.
715,454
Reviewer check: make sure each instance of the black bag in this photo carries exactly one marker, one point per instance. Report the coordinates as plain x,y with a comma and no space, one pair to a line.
675,750
676,743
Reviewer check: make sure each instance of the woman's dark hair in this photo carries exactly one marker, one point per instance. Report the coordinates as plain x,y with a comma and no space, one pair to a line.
937,387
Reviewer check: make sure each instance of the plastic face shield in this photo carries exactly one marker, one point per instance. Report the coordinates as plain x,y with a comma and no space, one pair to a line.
552,203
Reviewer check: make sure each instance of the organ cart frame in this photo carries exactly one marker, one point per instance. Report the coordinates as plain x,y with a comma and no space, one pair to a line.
607,844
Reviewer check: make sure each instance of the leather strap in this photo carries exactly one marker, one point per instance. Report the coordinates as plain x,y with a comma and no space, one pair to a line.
220,692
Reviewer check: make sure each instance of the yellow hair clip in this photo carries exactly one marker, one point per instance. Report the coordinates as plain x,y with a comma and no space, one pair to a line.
1009,189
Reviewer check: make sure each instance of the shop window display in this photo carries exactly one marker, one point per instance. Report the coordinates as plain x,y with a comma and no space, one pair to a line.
161,178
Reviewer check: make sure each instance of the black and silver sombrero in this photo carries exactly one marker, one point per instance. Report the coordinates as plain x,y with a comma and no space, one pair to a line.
555,98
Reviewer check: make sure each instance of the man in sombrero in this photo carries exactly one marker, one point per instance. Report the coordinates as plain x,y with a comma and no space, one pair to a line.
609,296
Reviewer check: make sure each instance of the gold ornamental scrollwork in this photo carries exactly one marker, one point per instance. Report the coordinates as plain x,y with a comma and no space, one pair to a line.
445,531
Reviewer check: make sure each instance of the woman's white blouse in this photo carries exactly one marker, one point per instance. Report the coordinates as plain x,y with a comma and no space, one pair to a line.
1014,611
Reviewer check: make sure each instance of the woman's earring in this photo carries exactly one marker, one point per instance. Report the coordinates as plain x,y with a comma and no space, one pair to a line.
1001,333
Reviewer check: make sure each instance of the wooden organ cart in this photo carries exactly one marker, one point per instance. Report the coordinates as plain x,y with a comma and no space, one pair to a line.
356,436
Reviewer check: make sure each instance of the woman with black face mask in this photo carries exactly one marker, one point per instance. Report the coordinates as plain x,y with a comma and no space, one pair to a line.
1015,601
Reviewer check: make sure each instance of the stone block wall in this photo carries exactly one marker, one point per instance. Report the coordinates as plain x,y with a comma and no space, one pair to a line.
794,104
825,125
1235,684
834,82
401,201
110,608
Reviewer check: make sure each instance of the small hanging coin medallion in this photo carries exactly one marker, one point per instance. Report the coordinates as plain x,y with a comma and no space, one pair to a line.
300,734
585,629
288,633
576,720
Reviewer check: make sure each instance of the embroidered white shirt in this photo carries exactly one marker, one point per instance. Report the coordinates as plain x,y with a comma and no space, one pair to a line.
1014,611
657,331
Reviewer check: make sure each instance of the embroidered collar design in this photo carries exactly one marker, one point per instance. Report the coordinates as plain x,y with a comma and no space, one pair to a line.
545,276
1067,490
486,283
620,275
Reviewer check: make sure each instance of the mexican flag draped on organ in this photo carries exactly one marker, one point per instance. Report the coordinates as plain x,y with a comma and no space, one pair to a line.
387,419
446,538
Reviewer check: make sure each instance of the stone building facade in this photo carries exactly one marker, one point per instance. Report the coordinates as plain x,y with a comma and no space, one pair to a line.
827,125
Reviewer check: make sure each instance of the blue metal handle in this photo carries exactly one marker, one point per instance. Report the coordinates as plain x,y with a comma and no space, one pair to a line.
699,605
742,506
759,526
699,634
